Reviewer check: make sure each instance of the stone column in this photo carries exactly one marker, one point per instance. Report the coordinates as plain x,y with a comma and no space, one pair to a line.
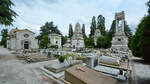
116,26
123,23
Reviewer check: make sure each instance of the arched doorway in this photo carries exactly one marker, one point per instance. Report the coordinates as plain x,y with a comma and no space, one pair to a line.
26,45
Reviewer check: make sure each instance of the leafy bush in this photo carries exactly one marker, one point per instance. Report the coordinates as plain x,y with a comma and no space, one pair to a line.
89,42
103,42
62,58
54,46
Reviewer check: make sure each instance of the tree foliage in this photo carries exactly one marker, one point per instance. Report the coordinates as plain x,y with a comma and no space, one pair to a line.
83,31
93,26
103,42
63,40
89,42
148,4
112,29
140,42
145,40
4,33
62,59
49,28
127,30
101,24
70,34
6,13
44,41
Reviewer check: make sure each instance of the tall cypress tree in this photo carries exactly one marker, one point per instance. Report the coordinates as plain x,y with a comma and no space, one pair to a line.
127,30
70,34
4,37
112,29
101,24
148,4
83,31
93,26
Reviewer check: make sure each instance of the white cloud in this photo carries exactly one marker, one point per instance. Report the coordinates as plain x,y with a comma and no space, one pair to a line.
33,14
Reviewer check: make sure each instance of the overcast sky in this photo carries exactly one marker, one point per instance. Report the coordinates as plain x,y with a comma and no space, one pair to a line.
34,13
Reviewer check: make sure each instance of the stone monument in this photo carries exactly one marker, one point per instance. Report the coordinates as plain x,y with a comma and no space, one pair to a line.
96,35
67,45
120,40
55,39
77,41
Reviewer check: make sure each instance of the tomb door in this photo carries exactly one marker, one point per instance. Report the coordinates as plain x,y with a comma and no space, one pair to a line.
95,62
26,45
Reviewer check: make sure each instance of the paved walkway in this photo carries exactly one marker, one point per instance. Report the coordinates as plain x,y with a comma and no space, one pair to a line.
141,72
14,71
4,52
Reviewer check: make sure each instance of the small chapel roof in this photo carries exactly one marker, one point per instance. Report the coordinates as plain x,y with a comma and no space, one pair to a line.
13,31
54,34
97,30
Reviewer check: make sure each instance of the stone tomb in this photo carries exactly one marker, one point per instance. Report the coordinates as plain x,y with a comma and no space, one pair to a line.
59,67
77,40
92,61
56,68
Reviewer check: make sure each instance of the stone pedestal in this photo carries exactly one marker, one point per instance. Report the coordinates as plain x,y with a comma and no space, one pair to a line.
92,61
120,42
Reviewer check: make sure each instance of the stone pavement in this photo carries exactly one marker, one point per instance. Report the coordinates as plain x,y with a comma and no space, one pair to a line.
14,71
4,52
141,71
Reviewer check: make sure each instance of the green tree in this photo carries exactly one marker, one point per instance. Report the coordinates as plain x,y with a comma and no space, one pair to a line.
148,4
64,40
145,39
83,32
127,30
44,41
135,45
4,37
70,34
112,29
140,42
103,42
93,26
136,40
101,24
89,42
6,13
49,28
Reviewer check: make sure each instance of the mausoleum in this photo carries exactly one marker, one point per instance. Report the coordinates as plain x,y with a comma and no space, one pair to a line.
55,39
21,39
77,40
